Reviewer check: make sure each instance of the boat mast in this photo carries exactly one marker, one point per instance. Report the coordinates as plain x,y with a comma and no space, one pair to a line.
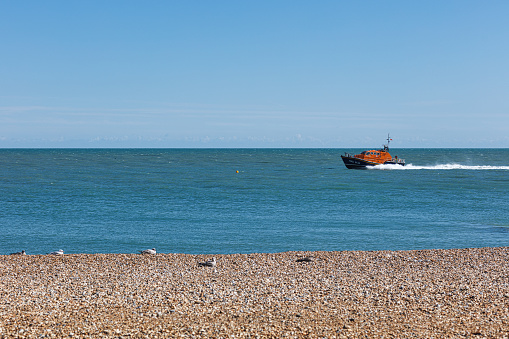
386,147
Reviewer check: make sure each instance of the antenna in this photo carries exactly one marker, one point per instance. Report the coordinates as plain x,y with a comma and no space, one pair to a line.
386,147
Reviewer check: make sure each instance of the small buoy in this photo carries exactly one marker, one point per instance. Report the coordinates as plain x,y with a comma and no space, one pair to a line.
237,171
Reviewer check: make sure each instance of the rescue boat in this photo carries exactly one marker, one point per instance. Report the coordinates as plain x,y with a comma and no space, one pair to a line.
372,158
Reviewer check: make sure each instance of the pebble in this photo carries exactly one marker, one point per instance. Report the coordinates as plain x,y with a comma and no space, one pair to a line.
379,294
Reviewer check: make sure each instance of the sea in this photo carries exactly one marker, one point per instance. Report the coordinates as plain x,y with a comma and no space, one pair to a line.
223,201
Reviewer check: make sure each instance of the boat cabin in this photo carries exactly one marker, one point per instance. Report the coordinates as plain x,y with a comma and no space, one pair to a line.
378,156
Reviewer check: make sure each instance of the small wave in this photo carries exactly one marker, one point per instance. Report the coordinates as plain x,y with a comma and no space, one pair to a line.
440,167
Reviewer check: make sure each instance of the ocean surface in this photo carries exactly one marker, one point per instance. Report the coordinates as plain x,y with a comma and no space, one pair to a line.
194,200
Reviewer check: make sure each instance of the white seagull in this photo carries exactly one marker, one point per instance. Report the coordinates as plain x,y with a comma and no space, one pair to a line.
209,263
149,251
59,252
19,253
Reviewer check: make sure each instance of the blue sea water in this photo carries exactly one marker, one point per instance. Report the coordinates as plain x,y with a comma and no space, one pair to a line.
194,201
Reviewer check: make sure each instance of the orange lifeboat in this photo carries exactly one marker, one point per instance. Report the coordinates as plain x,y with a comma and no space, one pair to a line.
372,158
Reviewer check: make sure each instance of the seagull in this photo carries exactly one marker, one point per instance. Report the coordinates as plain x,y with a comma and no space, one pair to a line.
209,263
149,251
19,253
59,252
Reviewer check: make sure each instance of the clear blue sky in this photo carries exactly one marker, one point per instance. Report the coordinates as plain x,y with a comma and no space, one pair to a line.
254,73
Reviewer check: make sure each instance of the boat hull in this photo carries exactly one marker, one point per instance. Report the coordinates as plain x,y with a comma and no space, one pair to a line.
356,163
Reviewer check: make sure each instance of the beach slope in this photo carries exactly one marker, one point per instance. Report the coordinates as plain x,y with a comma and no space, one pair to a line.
381,294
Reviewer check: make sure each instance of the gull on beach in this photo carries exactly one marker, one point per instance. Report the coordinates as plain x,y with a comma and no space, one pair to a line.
59,252
149,251
19,253
209,263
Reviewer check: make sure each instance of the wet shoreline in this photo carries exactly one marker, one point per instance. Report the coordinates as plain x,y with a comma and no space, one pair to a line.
424,293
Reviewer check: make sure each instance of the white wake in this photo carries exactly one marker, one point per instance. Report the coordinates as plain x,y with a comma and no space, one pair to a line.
439,167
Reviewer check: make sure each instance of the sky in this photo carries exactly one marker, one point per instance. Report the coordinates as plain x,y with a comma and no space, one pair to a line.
285,73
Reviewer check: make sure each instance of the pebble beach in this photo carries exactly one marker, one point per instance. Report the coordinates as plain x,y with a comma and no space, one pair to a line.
458,293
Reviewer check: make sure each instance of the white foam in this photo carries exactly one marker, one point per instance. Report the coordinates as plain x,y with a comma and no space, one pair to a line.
439,167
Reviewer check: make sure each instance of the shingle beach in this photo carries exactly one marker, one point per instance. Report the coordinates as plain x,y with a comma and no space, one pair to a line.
381,294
